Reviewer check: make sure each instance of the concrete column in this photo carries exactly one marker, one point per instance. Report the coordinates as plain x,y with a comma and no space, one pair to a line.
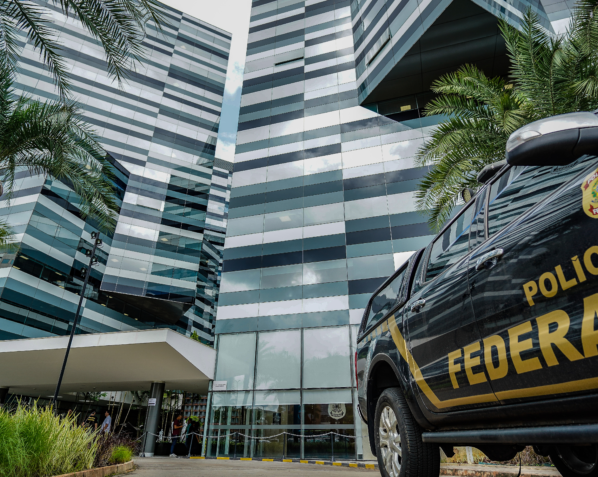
3,395
153,419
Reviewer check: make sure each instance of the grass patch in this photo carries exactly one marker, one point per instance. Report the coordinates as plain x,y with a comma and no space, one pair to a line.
35,442
121,454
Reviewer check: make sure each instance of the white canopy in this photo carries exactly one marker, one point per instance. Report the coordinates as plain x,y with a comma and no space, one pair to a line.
120,361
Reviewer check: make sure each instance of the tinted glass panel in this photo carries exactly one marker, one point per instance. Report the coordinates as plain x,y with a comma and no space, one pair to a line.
451,245
478,226
385,300
521,188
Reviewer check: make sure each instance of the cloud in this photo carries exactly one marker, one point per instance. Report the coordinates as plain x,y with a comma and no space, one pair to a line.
225,147
234,78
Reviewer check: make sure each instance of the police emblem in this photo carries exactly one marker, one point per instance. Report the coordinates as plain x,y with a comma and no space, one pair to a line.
590,194
337,411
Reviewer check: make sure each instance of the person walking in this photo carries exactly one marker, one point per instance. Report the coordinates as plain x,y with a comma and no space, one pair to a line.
177,427
91,421
106,424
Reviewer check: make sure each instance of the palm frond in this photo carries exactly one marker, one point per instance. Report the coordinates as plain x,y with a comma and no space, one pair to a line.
51,138
29,18
119,25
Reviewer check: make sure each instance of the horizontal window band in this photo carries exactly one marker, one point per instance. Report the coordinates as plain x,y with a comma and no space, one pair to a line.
288,258
397,182
289,61
283,322
368,285
276,23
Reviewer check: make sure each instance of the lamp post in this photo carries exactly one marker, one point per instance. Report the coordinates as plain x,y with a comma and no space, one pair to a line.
97,242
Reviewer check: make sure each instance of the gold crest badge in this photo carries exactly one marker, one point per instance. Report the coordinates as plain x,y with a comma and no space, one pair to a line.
590,194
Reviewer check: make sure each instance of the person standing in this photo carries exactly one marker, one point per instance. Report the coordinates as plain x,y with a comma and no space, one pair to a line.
91,421
177,427
192,435
107,423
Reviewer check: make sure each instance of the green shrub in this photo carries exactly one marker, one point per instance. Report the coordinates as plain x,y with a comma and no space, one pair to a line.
121,454
36,443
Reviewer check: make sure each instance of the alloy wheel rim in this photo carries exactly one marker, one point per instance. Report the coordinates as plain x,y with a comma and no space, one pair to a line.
390,442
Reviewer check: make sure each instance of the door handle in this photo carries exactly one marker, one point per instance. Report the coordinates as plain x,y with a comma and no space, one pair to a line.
489,259
417,305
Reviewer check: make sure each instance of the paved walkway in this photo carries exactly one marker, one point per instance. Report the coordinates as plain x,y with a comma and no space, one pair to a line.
167,467
171,467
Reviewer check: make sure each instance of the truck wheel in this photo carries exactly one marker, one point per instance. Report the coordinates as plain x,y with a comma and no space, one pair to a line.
575,461
399,446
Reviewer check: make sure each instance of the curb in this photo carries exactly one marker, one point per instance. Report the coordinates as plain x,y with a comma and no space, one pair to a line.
102,471
357,465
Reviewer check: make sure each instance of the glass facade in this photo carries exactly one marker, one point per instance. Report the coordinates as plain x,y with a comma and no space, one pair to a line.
161,267
322,205
388,36
288,394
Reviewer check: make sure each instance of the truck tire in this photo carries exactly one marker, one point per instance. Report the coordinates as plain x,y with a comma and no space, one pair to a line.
399,446
575,461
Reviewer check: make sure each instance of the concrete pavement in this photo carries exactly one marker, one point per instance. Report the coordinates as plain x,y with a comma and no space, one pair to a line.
170,467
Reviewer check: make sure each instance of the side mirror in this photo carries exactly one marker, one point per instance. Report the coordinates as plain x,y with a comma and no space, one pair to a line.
555,141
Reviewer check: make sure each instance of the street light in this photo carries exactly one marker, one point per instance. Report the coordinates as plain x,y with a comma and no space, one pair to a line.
97,242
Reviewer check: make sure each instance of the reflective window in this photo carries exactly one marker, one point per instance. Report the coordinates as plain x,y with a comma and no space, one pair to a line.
329,406
236,357
324,272
324,213
326,357
276,277
230,418
245,225
449,247
277,408
478,226
284,220
240,281
371,267
520,188
383,302
273,413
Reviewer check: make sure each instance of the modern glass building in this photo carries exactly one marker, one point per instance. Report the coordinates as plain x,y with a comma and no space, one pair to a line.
322,205
161,266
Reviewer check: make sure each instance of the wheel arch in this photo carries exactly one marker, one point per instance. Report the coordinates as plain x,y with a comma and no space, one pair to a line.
384,374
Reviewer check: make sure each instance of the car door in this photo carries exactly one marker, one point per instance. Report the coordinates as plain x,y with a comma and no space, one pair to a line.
386,299
534,282
440,322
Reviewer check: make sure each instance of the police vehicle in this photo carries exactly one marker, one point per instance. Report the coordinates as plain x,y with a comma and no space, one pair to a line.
489,336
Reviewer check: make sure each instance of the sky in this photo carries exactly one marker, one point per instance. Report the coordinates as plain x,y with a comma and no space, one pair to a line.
232,16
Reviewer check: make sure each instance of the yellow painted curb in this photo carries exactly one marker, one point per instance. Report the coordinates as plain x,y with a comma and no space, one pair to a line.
245,458
196,457
223,458
287,460
321,462
353,465
370,466
304,461
267,460
337,463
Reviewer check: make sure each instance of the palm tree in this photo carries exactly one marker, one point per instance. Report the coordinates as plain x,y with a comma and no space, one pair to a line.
119,25
51,138
549,75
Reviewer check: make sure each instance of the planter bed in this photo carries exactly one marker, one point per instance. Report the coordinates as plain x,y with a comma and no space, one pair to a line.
102,471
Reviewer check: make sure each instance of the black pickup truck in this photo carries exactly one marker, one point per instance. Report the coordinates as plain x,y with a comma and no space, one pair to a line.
488,337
